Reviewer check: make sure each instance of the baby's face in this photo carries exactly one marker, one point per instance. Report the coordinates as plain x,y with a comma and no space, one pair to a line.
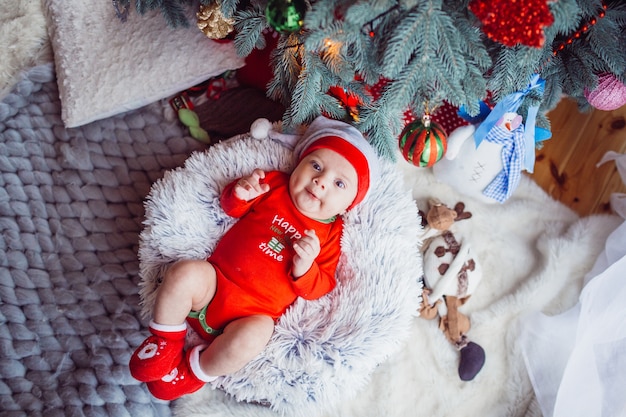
323,185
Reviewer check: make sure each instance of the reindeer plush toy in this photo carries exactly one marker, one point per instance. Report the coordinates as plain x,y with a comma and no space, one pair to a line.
451,274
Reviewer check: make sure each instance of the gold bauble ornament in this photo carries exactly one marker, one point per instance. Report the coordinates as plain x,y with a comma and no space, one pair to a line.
212,22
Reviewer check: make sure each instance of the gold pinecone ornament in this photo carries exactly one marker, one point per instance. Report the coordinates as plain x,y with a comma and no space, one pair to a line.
212,22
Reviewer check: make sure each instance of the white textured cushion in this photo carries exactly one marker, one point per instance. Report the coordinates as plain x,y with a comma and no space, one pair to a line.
105,66
323,352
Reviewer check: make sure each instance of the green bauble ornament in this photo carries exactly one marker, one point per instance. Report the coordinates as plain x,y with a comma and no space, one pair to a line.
285,15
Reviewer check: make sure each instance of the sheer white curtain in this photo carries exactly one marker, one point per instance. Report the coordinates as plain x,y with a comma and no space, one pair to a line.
577,360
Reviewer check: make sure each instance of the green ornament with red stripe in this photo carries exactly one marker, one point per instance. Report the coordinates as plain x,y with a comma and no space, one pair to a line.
423,142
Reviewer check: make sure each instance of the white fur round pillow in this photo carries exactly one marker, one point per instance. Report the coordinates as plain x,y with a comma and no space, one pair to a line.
322,351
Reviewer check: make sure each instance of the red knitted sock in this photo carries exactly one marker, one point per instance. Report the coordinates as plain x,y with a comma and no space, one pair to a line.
182,380
159,353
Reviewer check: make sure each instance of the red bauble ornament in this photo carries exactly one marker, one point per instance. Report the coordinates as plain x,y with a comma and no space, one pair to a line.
423,142
513,22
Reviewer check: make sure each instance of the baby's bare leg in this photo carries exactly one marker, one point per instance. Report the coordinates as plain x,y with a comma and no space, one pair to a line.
242,340
187,285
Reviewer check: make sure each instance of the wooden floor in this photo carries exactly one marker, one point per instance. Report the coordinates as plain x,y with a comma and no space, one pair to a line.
566,165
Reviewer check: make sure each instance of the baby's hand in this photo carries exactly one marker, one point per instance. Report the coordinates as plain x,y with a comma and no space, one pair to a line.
307,248
250,187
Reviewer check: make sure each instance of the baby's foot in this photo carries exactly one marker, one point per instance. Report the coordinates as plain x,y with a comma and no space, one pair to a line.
157,355
180,381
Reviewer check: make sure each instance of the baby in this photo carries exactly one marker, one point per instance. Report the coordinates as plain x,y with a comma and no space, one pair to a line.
285,245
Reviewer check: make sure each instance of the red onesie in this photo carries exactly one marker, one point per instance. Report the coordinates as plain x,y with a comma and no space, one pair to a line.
253,258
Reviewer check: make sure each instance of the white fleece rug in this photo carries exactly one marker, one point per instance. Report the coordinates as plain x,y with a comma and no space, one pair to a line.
534,252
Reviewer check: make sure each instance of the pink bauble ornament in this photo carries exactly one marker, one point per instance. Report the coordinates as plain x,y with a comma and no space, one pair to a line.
610,94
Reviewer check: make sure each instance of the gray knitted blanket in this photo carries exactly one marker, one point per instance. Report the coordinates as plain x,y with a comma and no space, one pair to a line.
71,209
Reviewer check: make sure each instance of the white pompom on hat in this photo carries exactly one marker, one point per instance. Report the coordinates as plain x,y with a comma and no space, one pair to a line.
335,135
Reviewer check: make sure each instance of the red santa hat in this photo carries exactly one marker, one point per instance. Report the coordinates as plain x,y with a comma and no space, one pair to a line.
331,134
347,141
